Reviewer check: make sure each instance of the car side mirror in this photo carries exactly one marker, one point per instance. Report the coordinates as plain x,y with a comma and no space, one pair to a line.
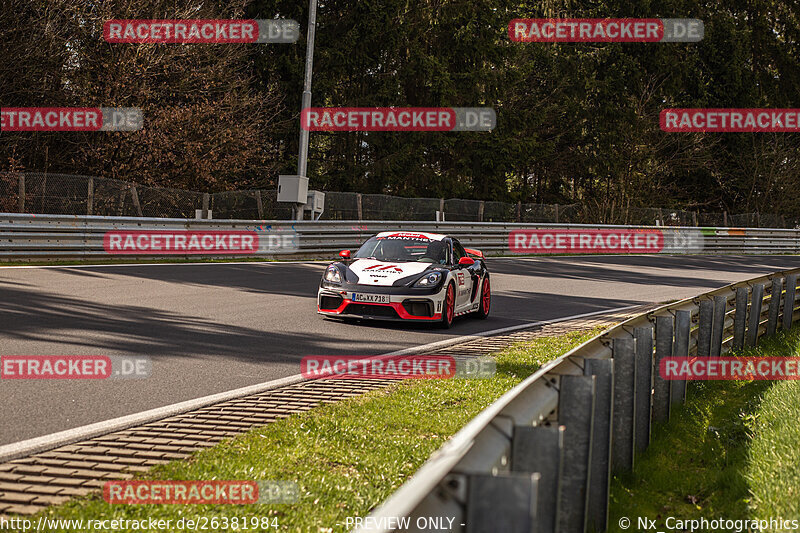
466,261
345,254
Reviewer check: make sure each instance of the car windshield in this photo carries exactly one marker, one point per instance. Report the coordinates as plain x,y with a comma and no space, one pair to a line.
406,249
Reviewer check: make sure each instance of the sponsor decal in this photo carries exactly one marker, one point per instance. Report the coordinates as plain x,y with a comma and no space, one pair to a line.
203,492
201,31
584,30
398,119
71,119
730,120
460,277
413,236
729,368
585,241
74,367
384,267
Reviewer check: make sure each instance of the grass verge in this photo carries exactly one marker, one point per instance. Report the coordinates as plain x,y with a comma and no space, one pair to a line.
732,451
346,457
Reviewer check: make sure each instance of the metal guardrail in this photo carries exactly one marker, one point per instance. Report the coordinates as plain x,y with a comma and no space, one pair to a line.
45,237
540,458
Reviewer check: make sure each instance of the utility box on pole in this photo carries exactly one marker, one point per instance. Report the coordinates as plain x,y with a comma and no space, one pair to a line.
292,189
315,204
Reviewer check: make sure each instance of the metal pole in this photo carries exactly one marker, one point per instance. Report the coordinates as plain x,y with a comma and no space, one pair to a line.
302,160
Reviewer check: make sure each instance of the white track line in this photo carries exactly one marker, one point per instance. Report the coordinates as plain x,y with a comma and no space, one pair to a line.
27,447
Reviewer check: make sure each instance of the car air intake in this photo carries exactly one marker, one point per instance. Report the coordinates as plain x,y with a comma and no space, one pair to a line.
330,302
418,308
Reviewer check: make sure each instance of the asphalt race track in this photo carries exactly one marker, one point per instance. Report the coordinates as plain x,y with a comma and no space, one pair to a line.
210,328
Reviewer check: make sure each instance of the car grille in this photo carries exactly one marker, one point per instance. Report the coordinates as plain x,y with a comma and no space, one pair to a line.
371,310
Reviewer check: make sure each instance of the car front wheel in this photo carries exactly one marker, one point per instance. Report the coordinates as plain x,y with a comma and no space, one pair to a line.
448,307
486,299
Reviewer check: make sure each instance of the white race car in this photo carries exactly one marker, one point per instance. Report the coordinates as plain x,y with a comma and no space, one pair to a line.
401,275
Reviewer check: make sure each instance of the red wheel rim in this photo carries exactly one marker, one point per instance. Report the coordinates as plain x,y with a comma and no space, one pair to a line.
451,304
486,297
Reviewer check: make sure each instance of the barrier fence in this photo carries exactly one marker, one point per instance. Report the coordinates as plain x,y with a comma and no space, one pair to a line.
540,458
65,194
62,237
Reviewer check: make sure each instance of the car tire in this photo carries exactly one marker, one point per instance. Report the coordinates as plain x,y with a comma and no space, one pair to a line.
485,303
448,307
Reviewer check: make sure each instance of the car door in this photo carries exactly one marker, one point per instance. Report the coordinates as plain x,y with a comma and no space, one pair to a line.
463,277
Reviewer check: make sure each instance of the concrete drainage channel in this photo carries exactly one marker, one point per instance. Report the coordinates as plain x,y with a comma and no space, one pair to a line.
53,473
540,458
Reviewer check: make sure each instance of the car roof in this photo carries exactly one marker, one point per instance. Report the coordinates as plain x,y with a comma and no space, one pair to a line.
417,235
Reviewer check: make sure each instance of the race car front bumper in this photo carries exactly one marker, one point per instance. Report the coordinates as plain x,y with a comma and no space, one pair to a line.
423,306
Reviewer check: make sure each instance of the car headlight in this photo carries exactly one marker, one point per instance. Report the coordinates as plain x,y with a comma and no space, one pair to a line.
429,280
332,275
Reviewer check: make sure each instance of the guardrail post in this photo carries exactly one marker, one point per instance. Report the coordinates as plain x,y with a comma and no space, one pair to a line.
480,211
718,326
259,203
661,387
541,449
704,328
576,414
755,314
624,404
21,193
644,386
206,199
90,197
775,295
358,206
599,479
683,322
505,502
135,198
740,318
788,300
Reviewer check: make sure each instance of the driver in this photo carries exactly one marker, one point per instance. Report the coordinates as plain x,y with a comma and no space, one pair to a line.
437,251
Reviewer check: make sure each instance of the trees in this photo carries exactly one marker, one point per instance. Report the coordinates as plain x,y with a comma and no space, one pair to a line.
577,122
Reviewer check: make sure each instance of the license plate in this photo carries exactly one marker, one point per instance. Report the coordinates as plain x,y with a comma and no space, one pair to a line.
371,298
